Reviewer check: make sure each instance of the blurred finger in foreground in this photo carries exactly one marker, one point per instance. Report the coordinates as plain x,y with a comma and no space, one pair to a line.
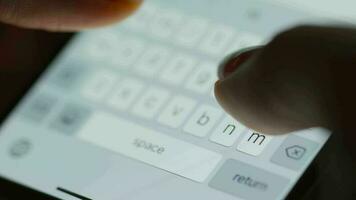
65,15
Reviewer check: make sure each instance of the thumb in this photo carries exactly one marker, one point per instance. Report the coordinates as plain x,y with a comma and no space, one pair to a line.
284,86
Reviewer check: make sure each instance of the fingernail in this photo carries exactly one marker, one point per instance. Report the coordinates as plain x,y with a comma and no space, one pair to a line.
232,62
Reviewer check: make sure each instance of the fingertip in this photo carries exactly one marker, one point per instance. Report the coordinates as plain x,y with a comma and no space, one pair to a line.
217,89
108,12
112,12
226,97
240,94
66,15
232,62
220,95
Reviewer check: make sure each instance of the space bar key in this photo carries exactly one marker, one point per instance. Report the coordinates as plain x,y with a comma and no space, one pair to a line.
148,146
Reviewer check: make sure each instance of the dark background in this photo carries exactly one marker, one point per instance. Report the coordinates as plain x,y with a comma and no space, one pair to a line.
23,55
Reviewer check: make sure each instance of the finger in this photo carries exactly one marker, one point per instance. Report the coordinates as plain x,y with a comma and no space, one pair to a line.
65,15
281,88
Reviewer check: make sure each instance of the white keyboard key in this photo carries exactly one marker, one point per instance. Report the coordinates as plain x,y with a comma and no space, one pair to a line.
102,47
191,32
227,132
166,23
217,40
150,103
177,69
123,96
254,143
98,86
249,39
203,79
244,40
177,111
202,121
152,61
141,18
126,52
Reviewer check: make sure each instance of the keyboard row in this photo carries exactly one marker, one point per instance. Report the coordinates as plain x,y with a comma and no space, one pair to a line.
177,70
211,38
147,58
172,110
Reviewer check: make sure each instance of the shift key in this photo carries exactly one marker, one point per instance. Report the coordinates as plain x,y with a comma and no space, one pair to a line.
248,182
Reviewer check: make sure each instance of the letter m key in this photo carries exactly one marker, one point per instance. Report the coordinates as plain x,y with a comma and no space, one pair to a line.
254,143
257,138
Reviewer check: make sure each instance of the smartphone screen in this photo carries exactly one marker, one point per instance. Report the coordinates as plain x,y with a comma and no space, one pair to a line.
128,111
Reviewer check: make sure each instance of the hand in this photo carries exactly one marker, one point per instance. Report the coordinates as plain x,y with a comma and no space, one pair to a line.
304,77
64,15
